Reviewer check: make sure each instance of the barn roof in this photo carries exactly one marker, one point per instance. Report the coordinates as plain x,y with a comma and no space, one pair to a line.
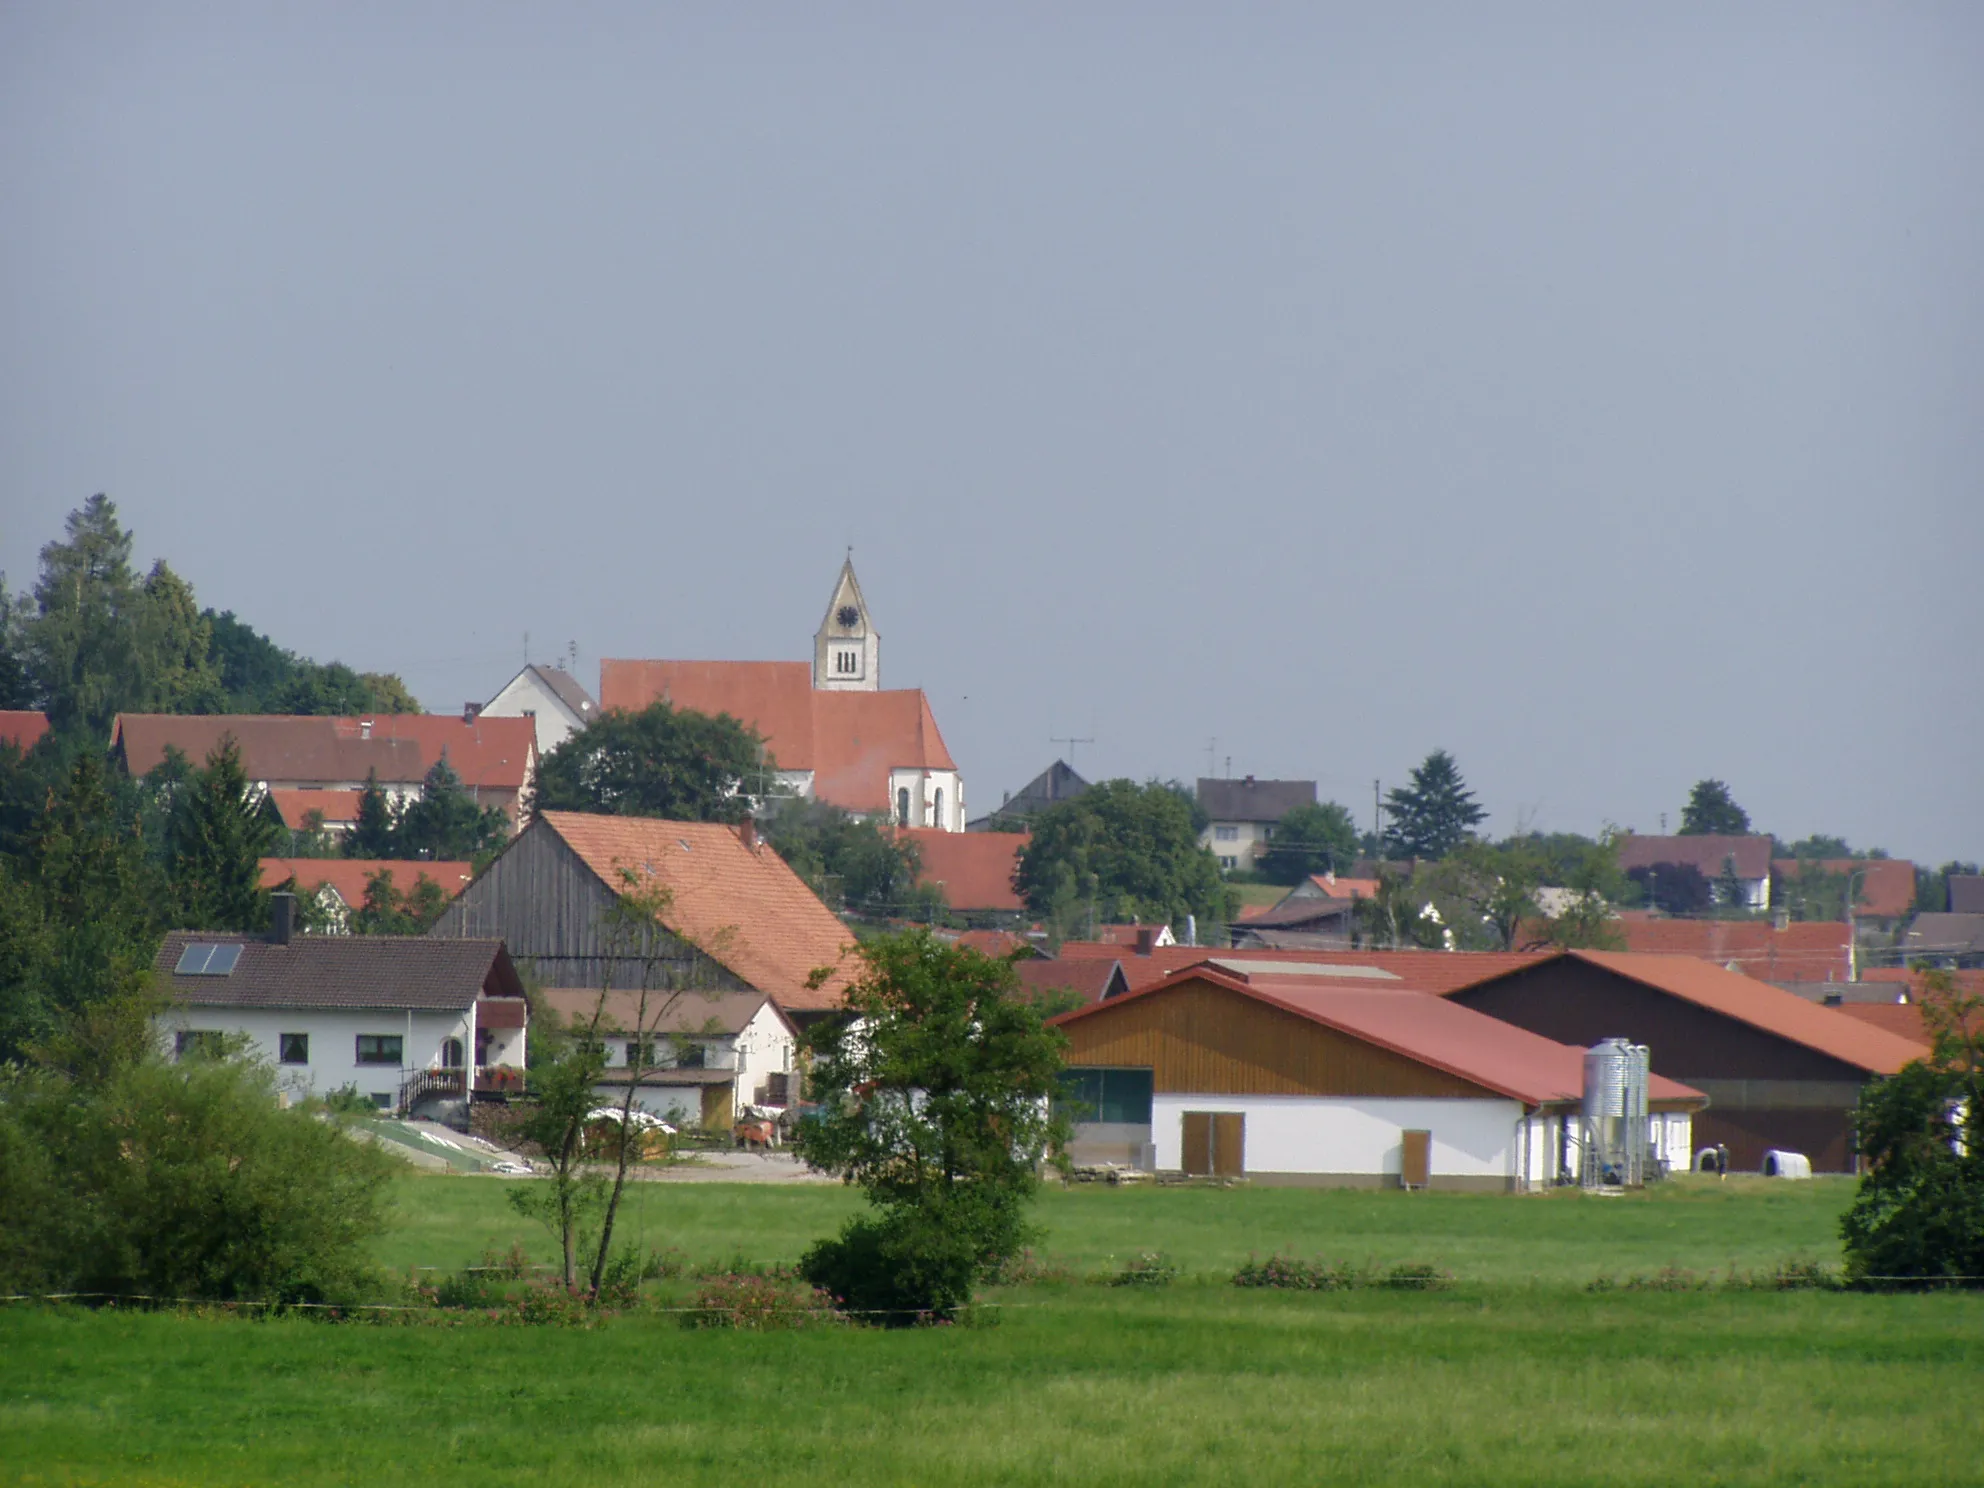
1758,1004
692,1012
22,729
487,753
1427,971
348,875
1484,1051
741,906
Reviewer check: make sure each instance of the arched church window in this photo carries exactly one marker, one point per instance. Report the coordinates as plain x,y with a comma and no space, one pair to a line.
902,806
937,807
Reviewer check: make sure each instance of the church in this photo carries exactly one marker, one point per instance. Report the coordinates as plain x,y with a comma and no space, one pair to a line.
837,735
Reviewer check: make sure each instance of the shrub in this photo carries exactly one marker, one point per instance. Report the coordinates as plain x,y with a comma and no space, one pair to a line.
512,1264
1416,1276
182,1181
555,1304
756,1301
468,1289
1918,1218
1029,1268
896,1268
1292,1273
1148,1268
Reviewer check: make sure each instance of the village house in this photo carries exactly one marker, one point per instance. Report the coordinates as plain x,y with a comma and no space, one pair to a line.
1747,858
551,698
833,732
734,917
694,1057
1317,914
1241,816
1053,785
1312,1074
335,887
495,758
398,1019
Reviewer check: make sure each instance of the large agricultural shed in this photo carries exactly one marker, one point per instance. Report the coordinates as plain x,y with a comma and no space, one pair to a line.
1297,1073
1779,1072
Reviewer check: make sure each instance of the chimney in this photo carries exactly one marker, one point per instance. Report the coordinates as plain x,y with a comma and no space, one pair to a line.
470,712
1250,780
747,833
1146,939
283,918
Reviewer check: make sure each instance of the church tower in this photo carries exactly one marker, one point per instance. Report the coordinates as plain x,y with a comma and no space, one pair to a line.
847,653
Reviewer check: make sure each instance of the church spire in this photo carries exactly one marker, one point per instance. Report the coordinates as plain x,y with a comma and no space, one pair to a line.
846,648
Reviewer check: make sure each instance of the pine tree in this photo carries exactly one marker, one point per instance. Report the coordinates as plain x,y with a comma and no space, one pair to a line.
219,832
1712,812
446,822
1435,813
371,834
82,642
175,642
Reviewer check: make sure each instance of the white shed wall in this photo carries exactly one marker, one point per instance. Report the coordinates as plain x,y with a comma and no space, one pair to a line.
1309,1134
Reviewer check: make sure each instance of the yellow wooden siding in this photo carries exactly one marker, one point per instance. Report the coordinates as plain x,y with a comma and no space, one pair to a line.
1201,1038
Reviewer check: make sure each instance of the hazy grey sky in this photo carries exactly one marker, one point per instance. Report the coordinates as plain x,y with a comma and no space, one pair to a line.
1597,393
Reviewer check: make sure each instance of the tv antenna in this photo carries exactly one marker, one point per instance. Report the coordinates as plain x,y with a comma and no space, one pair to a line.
1071,742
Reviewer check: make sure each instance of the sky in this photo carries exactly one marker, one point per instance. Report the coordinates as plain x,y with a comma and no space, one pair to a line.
1595,393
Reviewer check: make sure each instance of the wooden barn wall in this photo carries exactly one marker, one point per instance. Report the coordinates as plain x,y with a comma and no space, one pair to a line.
550,908
1202,1039
1577,1003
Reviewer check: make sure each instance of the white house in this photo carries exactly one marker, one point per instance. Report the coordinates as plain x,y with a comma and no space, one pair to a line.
408,1022
1241,816
703,1057
1298,1073
1744,860
551,697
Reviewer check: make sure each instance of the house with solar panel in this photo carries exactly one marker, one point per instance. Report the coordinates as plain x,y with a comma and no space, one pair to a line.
418,1026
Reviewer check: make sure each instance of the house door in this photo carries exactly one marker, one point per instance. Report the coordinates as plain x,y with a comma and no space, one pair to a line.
719,1108
1416,1158
1215,1143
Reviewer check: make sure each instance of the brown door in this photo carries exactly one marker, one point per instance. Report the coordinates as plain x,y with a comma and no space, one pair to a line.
1198,1143
1416,1166
1229,1144
717,1108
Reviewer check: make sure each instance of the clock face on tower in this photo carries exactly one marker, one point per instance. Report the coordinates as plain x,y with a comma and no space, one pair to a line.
848,616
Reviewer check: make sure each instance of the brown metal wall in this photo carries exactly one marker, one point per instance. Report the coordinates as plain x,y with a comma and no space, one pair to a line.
1575,1002
1202,1039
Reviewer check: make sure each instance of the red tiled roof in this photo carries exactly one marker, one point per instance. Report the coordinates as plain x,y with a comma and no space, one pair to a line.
1967,981
1346,888
974,868
1424,971
492,754
1089,980
1808,951
348,875
1485,1051
1708,853
849,740
338,807
998,944
742,906
1747,1000
1888,888
22,729
1903,1019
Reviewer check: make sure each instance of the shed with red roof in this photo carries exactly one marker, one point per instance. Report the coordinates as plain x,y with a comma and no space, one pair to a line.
1326,1074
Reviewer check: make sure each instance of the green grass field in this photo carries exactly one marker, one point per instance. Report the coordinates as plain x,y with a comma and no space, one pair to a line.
1516,1375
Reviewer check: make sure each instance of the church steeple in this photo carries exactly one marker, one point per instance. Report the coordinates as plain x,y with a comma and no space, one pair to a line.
847,651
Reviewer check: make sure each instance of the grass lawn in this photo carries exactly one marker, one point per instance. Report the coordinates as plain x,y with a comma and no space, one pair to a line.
1516,1375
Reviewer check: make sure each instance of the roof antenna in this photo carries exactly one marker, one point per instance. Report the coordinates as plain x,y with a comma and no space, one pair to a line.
526,648
1071,743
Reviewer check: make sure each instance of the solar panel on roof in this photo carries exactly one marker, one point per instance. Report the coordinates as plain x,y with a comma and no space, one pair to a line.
204,959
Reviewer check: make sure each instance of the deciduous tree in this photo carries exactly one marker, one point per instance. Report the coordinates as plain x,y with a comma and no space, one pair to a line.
1128,849
662,761
1311,839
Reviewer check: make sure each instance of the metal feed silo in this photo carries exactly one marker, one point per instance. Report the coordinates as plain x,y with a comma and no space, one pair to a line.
1616,1147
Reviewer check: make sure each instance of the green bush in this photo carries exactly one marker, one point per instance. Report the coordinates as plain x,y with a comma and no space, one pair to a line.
754,1301
1149,1268
1919,1216
895,1268
181,1181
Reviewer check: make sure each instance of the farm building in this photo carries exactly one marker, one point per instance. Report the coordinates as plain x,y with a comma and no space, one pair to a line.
736,918
396,1018
1779,1071
1301,1073
696,1056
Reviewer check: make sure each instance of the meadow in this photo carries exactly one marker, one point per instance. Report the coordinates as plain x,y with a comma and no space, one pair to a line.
1517,1373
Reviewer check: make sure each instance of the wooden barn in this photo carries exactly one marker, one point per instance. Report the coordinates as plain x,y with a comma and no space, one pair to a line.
736,919
1779,1071
1296,1073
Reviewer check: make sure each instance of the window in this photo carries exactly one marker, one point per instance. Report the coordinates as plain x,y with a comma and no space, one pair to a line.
847,663
451,1053
380,1048
1229,862
902,806
1116,1096
640,1053
937,807
692,1056
199,1042
383,1099
292,1048
1267,831
1225,834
